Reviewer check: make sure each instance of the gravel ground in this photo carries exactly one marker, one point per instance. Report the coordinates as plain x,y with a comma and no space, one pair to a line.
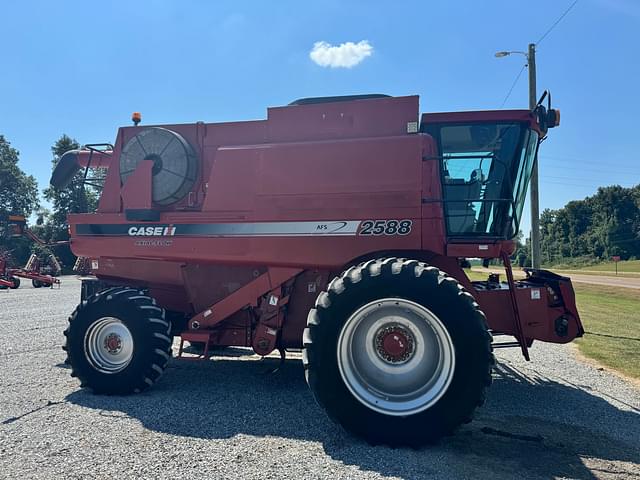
552,418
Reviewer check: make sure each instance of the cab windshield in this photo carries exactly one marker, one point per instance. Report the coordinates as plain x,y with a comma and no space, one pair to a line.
485,168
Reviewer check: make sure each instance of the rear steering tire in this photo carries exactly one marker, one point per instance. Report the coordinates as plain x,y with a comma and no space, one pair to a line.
118,342
16,283
36,283
397,352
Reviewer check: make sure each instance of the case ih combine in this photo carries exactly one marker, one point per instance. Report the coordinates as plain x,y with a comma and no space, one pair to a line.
337,225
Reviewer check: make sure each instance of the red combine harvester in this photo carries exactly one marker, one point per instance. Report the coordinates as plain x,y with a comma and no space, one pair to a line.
42,273
337,225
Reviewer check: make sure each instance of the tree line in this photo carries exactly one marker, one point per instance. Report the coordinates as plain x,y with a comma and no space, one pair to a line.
595,229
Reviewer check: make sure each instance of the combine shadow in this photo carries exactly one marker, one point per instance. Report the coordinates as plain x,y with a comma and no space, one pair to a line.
530,427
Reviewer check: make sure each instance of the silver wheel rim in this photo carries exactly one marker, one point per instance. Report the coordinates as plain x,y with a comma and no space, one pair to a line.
395,356
108,345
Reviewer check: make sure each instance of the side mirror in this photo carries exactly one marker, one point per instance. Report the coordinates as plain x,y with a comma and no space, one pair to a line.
553,118
547,118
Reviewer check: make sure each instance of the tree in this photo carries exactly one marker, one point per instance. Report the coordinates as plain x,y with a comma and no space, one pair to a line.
18,191
74,198
521,256
18,195
596,228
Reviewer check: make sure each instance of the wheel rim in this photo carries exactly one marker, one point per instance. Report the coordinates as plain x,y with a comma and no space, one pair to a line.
108,345
395,356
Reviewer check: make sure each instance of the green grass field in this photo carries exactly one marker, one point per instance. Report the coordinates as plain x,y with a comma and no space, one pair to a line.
611,316
624,266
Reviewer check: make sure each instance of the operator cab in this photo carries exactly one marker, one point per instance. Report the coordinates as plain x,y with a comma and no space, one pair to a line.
486,159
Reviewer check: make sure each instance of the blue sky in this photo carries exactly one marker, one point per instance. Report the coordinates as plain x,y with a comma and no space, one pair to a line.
81,68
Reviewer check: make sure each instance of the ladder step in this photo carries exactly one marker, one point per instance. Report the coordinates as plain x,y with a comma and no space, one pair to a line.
499,334
505,344
196,336
202,337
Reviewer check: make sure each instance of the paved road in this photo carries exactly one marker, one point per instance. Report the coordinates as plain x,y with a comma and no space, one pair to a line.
552,418
627,282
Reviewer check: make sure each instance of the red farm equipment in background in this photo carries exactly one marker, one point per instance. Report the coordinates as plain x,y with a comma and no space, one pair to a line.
337,226
42,269
7,280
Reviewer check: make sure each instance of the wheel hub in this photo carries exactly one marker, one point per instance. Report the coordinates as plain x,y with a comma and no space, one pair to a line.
395,344
109,345
113,343
395,356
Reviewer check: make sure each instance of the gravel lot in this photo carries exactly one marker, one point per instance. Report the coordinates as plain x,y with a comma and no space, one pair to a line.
552,418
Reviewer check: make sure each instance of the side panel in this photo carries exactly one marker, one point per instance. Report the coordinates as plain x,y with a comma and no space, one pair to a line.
538,318
323,184
348,179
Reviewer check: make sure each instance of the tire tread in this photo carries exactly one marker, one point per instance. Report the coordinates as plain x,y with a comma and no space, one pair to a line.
142,308
322,319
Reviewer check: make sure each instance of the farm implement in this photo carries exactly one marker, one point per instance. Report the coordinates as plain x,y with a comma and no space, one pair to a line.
42,270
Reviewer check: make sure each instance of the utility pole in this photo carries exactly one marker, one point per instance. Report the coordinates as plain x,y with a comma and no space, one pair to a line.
535,202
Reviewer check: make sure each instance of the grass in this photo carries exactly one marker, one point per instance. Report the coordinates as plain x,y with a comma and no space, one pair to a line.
477,276
611,318
632,266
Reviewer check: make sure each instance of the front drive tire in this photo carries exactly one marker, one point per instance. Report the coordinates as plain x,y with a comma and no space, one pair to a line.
397,352
16,283
118,342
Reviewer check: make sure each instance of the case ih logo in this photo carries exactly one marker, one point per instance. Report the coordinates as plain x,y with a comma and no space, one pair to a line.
162,231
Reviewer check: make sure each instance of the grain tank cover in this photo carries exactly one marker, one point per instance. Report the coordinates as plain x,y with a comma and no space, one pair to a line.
175,164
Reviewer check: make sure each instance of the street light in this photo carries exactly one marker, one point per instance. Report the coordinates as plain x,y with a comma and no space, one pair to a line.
505,54
535,202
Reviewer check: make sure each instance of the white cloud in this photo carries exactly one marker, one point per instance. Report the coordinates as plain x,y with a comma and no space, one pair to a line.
345,55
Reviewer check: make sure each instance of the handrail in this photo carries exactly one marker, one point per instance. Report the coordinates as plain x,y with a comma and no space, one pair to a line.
95,148
514,304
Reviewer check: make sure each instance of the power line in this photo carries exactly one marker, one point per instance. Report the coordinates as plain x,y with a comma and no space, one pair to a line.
579,163
610,164
556,22
577,159
587,182
565,157
590,186
537,43
513,85
580,178
631,175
